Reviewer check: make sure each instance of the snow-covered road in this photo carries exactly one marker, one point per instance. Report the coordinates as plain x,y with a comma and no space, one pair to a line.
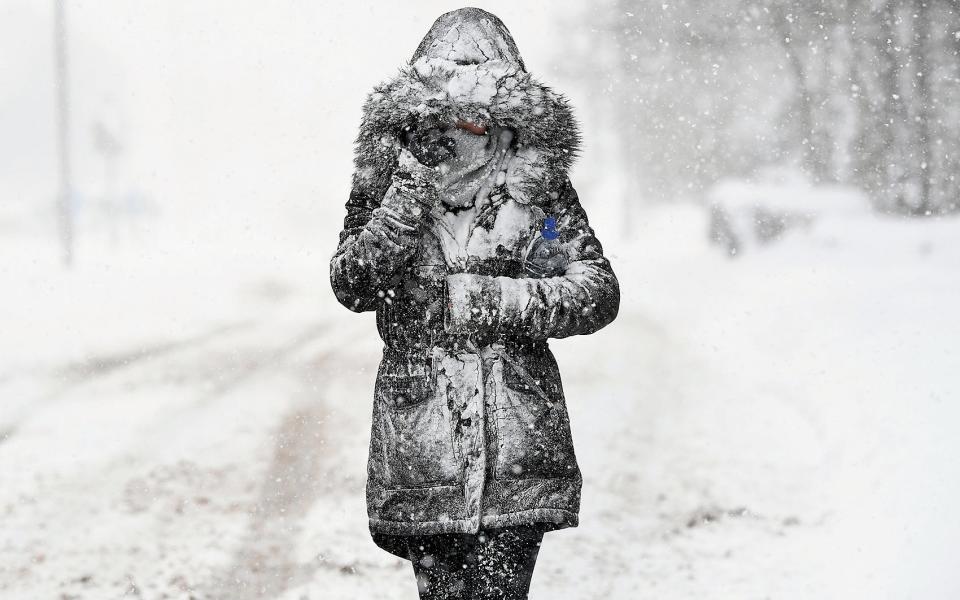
780,426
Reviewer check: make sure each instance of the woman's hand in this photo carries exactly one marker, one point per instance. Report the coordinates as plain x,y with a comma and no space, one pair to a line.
408,164
429,145
414,181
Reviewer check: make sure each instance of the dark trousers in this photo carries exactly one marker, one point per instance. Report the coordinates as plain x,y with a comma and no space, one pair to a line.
494,563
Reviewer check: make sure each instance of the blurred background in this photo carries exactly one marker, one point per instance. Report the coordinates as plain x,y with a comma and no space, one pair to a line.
184,407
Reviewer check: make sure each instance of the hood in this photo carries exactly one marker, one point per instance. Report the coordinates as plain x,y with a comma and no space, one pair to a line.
469,36
467,67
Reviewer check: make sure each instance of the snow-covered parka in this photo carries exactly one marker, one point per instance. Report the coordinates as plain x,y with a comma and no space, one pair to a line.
470,427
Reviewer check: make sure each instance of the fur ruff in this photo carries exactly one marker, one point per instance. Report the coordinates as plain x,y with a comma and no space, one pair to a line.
547,136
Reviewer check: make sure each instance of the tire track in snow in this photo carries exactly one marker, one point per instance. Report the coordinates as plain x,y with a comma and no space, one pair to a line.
257,364
67,378
106,364
265,565
285,493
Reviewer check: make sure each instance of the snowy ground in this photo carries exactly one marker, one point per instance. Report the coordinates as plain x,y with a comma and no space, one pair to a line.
193,424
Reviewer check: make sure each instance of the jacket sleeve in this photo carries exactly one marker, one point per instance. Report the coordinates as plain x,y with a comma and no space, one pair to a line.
582,300
380,236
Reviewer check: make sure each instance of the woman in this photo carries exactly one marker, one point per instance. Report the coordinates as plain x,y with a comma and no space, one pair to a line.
466,237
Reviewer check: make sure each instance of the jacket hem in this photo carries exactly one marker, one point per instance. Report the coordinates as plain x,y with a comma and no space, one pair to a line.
559,517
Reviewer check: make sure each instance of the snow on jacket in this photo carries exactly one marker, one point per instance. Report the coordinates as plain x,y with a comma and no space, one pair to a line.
470,426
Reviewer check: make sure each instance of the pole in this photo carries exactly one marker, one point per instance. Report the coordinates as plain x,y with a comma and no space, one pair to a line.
64,212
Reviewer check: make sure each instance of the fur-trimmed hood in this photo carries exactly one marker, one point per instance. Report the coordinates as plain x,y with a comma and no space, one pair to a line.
467,67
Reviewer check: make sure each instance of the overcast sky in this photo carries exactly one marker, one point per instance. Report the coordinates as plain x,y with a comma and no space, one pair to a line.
245,109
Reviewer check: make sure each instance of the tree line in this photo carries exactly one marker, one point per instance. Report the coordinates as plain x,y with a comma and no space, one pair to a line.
857,92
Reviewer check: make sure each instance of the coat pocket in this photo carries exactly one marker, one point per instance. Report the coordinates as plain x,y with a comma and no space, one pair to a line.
402,392
533,428
417,435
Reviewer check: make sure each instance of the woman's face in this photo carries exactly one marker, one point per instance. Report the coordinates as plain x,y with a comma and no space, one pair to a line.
467,156
472,151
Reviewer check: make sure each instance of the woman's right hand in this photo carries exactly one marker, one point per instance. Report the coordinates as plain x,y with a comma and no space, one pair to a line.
414,181
429,145
409,165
